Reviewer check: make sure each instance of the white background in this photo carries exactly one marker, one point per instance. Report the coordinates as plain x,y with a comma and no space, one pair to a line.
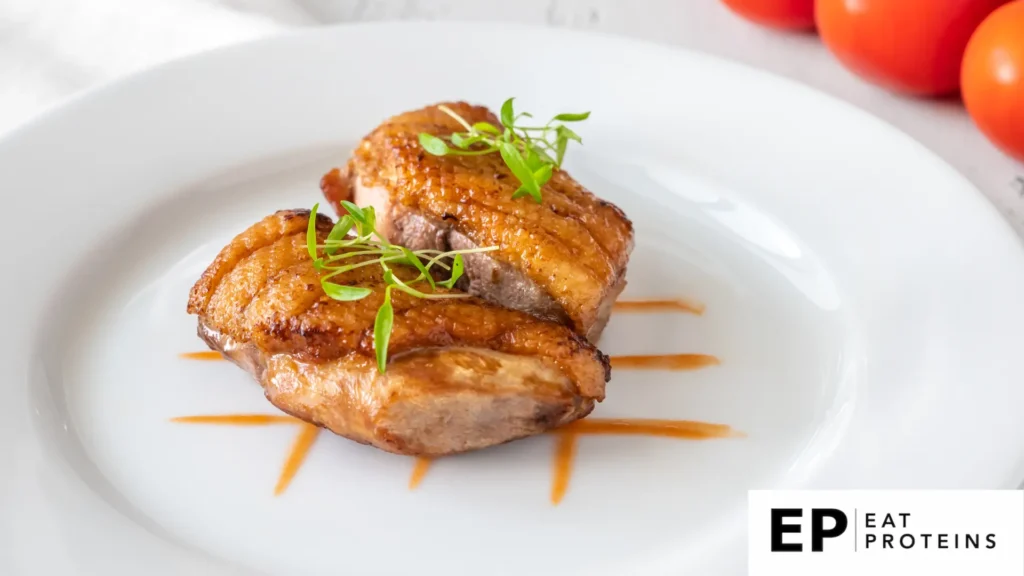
931,512
50,49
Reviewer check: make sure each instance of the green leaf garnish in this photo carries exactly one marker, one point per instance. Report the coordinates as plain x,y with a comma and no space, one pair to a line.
457,267
560,145
382,330
369,224
508,117
433,144
345,293
380,252
486,127
567,117
354,211
311,232
544,156
526,150
524,191
533,159
542,175
337,235
569,134
415,261
514,160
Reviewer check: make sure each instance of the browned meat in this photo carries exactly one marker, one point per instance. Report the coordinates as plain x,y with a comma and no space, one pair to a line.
562,260
462,374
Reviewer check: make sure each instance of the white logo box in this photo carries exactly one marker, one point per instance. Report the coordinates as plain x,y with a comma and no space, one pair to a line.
899,532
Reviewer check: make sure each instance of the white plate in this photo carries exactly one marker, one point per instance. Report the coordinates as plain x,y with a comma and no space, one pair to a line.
864,299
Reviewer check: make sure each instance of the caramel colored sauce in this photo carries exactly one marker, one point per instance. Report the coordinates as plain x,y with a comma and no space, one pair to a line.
238,419
664,362
565,453
296,457
419,471
566,437
300,447
683,429
676,305
566,440
204,355
565,447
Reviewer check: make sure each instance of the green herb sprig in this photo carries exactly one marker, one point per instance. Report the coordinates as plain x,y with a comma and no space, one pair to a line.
530,152
355,234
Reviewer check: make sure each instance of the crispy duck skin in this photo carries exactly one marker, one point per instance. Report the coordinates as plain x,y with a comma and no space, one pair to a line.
563,259
462,374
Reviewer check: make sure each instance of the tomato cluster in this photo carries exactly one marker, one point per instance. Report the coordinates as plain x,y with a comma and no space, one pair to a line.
923,48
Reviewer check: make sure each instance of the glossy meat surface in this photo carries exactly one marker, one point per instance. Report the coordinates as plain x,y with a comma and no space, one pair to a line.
564,259
462,373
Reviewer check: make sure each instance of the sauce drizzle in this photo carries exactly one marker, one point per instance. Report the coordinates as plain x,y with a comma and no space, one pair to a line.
565,453
565,449
238,419
566,441
675,305
566,437
203,355
296,456
682,429
664,362
419,470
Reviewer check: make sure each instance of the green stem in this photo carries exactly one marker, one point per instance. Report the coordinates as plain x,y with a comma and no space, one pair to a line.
457,118
354,241
344,255
452,253
342,269
414,292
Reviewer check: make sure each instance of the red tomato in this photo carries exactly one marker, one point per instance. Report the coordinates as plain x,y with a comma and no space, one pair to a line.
992,78
785,14
912,46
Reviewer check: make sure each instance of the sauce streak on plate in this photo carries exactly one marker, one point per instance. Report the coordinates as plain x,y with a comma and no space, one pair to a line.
664,362
565,452
677,305
565,449
419,471
566,437
203,355
297,456
566,440
237,419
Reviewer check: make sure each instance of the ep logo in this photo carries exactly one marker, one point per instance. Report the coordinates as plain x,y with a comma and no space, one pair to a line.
824,523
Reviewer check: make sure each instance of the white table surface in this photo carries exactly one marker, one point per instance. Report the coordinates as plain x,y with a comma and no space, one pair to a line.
50,49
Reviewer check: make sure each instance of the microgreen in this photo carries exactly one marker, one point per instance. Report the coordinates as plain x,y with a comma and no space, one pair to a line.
457,267
434,145
382,330
528,151
345,293
311,232
353,236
